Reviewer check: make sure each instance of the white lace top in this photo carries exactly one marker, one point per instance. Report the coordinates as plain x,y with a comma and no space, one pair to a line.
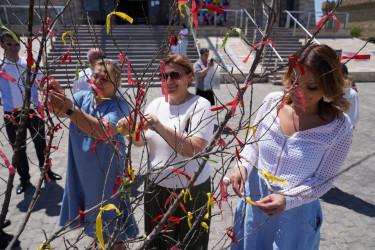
307,159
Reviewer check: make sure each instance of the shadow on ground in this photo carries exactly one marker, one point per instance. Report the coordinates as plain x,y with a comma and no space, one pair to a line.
338,197
50,197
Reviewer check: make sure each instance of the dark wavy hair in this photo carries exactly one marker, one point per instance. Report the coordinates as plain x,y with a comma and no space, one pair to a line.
322,61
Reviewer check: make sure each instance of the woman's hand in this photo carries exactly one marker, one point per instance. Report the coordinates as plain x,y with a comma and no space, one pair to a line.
237,179
272,204
124,123
60,102
151,122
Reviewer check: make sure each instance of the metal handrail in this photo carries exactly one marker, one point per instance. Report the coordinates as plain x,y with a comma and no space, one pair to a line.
261,32
303,28
317,12
23,7
194,38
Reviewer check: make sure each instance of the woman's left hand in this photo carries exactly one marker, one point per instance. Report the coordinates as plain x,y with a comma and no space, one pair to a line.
60,102
151,122
272,204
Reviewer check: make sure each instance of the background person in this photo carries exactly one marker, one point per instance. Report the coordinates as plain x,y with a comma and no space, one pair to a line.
351,95
184,34
90,175
81,83
305,148
201,67
186,121
12,99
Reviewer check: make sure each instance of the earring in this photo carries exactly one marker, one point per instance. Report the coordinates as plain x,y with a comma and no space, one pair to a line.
327,99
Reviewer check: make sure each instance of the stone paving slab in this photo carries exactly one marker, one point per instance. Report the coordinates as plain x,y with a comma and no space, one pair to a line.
348,209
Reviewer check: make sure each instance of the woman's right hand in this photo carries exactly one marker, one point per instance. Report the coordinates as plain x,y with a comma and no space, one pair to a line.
238,179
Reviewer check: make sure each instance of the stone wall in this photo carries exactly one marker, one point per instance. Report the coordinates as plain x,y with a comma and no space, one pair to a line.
361,14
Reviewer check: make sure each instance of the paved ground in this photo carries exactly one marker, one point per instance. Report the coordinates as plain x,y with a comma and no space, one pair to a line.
349,209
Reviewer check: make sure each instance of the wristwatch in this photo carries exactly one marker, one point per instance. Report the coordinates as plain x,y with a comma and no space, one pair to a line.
70,111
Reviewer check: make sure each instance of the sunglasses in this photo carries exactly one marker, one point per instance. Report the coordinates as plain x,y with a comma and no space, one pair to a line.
13,44
175,75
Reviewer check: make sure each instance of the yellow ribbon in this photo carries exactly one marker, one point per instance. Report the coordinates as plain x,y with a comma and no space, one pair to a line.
120,129
120,14
71,37
190,217
204,224
249,200
253,129
131,173
99,226
180,8
268,176
45,247
210,203
239,31
186,193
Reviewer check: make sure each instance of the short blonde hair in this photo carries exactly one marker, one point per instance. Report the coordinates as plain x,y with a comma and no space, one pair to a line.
112,69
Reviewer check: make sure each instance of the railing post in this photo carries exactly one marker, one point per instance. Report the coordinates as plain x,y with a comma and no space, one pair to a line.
6,14
255,36
246,23
308,20
287,24
274,69
294,28
235,19
346,21
241,19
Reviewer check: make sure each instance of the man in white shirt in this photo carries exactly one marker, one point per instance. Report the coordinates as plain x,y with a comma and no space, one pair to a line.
81,83
12,93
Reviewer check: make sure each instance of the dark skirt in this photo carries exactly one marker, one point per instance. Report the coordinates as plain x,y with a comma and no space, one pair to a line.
155,205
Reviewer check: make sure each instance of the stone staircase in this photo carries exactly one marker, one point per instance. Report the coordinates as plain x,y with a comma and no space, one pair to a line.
286,46
140,43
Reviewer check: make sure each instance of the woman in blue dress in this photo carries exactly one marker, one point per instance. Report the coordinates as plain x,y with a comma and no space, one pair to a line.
303,140
93,168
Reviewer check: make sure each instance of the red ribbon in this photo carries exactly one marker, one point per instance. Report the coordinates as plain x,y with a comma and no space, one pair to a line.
173,40
174,219
357,57
123,58
10,118
30,59
6,76
182,173
233,103
223,196
256,46
41,110
99,140
169,199
238,140
183,2
116,183
81,214
49,146
330,15
300,95
157,218
300,66
208,6
138,132
10,167
46,26
67,55
97,91
175,248
164,88
232,235
48,164
220,142
194,14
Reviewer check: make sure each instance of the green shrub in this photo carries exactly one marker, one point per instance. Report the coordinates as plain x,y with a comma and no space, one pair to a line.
356,31
371,39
